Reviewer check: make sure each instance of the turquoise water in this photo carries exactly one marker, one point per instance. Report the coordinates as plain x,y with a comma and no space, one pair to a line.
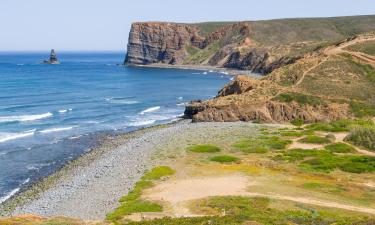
50,114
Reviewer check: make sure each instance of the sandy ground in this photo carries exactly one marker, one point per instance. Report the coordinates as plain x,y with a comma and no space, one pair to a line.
178,193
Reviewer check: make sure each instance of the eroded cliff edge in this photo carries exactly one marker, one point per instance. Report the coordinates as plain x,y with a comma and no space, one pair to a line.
259,46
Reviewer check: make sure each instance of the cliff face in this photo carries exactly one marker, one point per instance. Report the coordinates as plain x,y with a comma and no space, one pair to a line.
159,43
259,46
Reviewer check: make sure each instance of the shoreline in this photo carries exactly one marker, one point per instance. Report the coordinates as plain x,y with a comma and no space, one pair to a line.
108,144
226,71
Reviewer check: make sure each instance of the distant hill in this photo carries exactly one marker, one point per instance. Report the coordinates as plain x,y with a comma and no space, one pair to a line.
260,46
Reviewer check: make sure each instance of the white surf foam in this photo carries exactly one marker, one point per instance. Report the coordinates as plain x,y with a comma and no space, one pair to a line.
57,129
204,73
24,118
13,192
182,104
121,101
13,136
141,123
9,195
65,110
152,109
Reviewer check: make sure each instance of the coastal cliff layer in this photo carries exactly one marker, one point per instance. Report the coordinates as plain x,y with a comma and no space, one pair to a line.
332,83
259,46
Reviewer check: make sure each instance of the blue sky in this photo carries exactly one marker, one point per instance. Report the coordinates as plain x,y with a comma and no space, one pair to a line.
104,24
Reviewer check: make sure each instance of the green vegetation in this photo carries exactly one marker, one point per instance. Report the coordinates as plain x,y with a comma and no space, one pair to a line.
339,125
158,172
301,99
246,210
191,49
209,27
203,54
367,47
298,122
328,188
261,144
204,148
313,139
363,136
362,109
224,159
132,203
340,148
326,161
291,133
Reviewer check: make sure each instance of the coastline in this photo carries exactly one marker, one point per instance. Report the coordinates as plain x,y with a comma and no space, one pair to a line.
226,71
108,145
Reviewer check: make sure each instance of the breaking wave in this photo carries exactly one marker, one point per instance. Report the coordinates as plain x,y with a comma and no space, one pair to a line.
24,118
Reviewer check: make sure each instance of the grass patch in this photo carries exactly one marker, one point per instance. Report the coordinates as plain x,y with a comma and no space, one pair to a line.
261,144
322,187
204,148
297,122
246,210
158,172
363,136
291,133
301,99
313,139
339,125
224,159
340,148
326,161
360,109
132,202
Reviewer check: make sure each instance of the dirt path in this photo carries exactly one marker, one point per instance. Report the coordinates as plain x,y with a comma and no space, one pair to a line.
309,70
178,193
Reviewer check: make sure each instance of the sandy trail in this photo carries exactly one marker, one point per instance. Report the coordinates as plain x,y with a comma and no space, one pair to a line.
179,192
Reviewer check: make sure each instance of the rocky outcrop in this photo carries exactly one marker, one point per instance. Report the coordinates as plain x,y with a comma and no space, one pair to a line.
160,43
247,99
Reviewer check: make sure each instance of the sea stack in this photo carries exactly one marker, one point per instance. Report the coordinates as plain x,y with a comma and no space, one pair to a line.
52,58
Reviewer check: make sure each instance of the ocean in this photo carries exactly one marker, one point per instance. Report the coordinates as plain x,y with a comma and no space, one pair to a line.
51,114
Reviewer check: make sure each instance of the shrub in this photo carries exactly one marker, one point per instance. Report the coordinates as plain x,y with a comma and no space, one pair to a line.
158,172
224,159
360,109
340,148
363,136
204,149
291,133
339,125
298,122
261,144
302,99
313,139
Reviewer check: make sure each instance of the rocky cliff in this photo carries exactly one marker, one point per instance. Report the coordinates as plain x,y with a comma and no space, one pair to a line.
331,83
259,46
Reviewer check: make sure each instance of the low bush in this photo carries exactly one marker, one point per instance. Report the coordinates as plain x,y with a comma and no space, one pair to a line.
158,172
204,148
261,144
326,161
339,125
302,99
298,122
224,159
340,148
360,109
313,139
363,136
291,133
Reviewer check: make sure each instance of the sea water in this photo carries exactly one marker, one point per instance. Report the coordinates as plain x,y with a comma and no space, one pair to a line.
50,114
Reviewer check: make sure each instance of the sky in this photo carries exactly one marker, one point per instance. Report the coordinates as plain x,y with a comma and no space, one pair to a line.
96,25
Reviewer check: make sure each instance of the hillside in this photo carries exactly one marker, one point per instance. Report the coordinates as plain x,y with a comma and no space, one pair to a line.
331,83
260,46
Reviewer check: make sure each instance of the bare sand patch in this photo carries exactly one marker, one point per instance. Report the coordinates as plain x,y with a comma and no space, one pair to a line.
188,189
